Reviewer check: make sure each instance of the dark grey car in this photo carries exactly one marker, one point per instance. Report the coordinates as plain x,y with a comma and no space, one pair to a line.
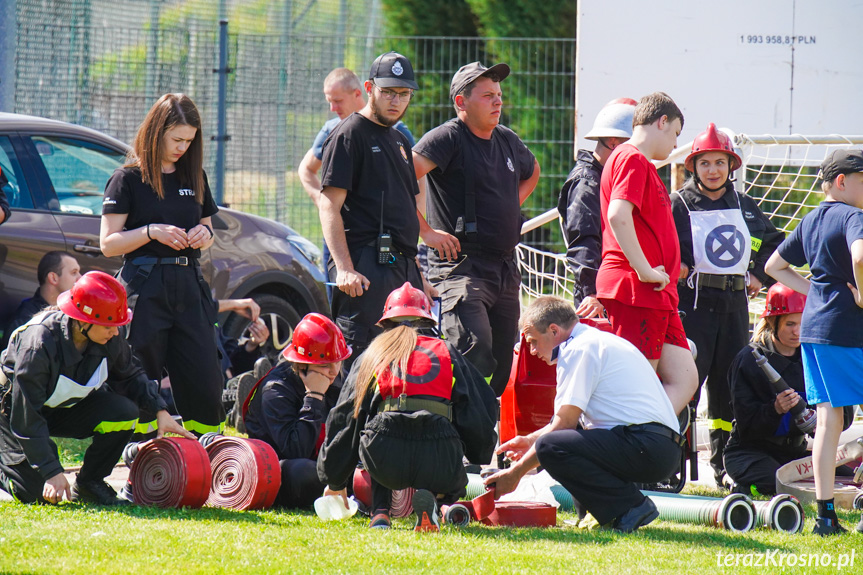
57,174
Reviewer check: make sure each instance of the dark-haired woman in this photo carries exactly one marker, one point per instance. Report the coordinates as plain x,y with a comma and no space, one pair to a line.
156,214
725,240
410,409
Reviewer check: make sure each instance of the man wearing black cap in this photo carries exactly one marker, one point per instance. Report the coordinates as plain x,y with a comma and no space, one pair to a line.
479,174
369,187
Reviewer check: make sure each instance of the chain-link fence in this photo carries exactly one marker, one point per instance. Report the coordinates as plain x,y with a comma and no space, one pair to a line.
103,63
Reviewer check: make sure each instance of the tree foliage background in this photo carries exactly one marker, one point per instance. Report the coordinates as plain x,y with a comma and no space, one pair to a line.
538,96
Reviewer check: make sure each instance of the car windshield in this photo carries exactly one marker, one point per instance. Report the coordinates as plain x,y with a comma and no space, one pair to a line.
78,170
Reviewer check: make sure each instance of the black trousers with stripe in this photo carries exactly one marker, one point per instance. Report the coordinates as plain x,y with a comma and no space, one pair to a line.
173,329
105,416
718,336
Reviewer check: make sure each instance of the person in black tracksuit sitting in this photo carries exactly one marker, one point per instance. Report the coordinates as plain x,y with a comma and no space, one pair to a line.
287,408
409,430
764,436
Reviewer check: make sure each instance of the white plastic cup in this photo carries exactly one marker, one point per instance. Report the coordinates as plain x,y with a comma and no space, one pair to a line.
332,508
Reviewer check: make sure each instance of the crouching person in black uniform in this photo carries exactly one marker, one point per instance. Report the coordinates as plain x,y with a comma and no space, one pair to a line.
628,431
65,374
289,406
410,409
765,436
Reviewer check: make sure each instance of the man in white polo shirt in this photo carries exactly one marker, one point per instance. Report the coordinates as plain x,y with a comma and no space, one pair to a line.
628,431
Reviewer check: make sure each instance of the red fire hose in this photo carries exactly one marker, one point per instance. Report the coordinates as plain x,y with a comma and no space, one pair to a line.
246,473
171,472
402,499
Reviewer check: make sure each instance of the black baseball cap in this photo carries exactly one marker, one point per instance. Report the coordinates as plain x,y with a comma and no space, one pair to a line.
392,70
841,162
470,72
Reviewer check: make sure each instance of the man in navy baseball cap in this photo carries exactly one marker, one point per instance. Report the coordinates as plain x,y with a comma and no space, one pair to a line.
392,70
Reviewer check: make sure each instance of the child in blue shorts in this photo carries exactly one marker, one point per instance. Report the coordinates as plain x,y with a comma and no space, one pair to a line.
830,240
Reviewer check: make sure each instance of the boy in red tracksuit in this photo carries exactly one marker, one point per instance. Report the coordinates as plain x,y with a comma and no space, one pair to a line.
640,249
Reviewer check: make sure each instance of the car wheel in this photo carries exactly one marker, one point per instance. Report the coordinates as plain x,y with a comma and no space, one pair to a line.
280,317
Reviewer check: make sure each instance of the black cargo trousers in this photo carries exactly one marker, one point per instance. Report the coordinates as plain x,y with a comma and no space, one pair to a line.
173,329
480,308
357,316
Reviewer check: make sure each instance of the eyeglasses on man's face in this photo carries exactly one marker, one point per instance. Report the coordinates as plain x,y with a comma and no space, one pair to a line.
390,95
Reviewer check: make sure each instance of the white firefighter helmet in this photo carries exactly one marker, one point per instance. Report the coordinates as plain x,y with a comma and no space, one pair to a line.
614,120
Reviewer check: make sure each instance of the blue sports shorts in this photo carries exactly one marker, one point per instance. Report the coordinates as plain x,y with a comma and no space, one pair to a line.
833,374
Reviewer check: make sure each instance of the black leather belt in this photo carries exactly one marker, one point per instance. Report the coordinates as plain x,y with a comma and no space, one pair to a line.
659,429
484,252
178,261
732,282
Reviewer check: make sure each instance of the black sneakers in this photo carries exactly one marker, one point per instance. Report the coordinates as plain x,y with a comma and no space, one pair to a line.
825,526
638,516
96,491
425,508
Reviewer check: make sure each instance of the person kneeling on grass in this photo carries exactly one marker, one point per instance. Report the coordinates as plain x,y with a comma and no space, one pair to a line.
288,407
629,429
411,408
66,374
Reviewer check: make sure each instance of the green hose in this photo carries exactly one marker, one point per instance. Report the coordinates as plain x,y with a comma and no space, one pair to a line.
735,512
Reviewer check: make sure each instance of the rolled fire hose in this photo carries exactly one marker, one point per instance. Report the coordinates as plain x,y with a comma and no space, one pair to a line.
734,512
246,473
171,472
402,499
782,513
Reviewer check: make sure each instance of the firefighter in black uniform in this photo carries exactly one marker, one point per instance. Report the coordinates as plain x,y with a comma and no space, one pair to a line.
409,430
367,203
578,203
66,374
289,406
725,241
479,175
157,214
765,436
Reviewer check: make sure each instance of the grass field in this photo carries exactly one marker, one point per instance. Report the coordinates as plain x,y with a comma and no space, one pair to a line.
74,538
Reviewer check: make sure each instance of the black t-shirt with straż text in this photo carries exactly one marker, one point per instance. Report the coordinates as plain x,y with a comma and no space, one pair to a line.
374,164
499,165
126,193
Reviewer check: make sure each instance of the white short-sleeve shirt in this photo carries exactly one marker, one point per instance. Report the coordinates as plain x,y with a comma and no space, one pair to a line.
610,380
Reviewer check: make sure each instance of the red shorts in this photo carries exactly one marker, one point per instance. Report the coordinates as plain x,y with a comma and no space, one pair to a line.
646,328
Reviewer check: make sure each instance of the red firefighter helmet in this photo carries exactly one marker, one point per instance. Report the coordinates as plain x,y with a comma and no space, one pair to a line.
712,140
96,298
317,340
407,301
782,300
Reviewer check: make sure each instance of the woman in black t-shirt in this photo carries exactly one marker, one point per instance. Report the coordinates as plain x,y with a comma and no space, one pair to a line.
156,213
